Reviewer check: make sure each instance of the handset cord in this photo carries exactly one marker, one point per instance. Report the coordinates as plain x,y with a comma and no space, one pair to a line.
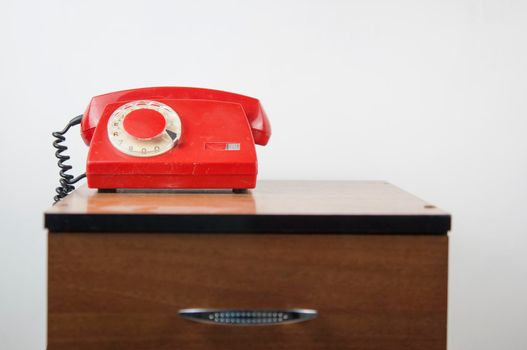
66,180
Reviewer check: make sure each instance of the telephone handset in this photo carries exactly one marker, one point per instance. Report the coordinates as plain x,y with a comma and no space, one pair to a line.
168,137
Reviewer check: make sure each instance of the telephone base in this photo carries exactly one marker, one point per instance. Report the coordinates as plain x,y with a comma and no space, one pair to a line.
173,190
107,190
108,183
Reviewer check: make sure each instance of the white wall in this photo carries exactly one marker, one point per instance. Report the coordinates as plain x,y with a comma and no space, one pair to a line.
430,95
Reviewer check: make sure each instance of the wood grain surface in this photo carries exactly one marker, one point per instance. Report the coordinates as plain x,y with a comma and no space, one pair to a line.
268,198
123,291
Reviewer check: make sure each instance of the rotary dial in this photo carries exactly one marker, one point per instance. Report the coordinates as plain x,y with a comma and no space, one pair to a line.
144,128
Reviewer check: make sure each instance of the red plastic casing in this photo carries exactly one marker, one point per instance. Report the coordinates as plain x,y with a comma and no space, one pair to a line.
210,119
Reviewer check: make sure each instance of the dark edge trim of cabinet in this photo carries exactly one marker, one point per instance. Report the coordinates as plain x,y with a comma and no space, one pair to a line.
158,223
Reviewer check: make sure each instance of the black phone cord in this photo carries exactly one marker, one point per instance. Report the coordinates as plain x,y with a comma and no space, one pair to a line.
66,180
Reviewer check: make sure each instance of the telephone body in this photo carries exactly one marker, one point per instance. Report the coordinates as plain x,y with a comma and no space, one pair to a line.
173,137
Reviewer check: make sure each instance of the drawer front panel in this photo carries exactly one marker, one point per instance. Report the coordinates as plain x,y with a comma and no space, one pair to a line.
109,291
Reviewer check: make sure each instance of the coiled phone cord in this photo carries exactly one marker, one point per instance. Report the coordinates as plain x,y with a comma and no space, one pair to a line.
66,180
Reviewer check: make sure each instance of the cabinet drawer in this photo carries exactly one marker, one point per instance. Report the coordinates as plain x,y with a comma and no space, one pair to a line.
124,291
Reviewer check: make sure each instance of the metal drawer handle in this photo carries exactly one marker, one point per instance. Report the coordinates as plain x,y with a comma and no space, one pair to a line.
247,317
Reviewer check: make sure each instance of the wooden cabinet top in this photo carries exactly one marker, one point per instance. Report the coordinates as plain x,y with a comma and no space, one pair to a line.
352,207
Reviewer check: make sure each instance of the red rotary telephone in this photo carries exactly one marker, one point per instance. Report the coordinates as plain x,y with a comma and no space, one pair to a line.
168,137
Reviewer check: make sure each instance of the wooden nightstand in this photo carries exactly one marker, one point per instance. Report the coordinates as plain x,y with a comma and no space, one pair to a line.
369,259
